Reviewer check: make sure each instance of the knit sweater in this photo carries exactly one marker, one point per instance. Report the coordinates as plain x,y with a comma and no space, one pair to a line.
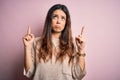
52,70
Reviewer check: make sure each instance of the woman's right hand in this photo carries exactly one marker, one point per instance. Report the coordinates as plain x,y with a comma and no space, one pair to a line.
28,38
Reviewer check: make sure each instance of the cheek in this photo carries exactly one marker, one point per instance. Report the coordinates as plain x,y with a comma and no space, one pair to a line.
53,22
64,24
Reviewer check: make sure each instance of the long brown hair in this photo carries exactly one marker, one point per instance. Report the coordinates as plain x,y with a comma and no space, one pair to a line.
66,42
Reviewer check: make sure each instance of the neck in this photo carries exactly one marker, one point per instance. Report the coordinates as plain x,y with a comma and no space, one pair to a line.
56,35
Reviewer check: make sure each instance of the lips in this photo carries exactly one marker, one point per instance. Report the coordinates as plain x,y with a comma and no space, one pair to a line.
57,26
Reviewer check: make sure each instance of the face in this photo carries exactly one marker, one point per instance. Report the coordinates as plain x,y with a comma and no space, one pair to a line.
58,21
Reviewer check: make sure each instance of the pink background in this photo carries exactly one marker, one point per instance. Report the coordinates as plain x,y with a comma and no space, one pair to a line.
102,23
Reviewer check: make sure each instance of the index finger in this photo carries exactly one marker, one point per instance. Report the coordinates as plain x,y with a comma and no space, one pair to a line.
28,31
82,31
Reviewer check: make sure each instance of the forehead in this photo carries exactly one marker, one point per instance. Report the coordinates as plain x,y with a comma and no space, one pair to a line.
59,12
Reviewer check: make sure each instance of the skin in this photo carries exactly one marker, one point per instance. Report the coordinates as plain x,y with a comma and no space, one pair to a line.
58,24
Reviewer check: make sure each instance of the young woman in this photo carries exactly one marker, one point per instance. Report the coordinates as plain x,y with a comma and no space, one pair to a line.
55,55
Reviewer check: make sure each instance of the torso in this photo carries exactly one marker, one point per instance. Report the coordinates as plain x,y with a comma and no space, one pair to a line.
52,70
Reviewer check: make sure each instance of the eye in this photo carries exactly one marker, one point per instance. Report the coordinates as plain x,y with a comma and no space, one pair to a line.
54,16
63,18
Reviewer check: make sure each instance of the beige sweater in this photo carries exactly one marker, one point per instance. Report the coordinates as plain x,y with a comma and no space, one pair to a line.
54,70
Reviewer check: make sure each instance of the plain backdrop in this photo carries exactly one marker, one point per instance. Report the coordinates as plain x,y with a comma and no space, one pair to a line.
101,19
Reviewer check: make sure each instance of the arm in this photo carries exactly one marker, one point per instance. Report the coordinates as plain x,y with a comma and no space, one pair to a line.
80,42
28,40
28,58
81,59
78,69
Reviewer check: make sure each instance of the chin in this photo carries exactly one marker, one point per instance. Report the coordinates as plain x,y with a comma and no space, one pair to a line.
57,31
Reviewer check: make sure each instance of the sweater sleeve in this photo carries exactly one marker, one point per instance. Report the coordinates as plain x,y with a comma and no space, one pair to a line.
77,72
31,70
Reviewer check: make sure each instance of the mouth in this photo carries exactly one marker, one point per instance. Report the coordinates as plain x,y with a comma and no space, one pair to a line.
57,26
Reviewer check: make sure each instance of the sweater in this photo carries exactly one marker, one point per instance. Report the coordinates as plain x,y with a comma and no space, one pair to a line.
52,70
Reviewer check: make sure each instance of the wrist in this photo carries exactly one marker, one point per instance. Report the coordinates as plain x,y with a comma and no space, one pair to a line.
28,47
81,53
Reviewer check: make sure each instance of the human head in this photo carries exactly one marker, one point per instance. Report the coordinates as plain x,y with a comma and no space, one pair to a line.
47,27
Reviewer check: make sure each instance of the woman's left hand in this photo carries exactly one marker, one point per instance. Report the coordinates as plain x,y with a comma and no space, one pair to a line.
80,40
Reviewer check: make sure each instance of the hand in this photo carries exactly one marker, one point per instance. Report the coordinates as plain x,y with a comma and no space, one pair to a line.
28,38
80,40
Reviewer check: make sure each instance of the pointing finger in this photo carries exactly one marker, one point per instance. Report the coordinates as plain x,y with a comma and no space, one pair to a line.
82,31
28,31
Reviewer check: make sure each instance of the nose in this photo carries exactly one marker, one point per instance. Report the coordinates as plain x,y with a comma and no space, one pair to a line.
58,21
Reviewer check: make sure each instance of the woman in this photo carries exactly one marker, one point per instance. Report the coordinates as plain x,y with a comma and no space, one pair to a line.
54,55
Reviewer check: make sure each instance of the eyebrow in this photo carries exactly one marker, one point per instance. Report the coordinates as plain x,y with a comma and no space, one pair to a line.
60,15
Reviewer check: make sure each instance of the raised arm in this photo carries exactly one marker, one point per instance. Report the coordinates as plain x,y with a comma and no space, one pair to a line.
80,41
28,40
